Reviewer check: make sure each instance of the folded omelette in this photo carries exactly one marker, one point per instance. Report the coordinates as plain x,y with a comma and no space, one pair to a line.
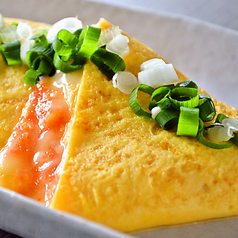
116,168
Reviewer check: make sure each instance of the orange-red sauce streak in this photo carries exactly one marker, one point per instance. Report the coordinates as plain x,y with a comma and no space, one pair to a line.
35,146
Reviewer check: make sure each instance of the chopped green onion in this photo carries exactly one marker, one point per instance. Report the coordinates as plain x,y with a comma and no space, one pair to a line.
167,119
32,77
88,41
65,42
108,62
133,102
69,23
43,66
184,97
66,58
11,53
39,51
170,86
188,121
200,137
71,65
158,97
41,39
164,103
39,59
207,108
220,118
187,83
78,32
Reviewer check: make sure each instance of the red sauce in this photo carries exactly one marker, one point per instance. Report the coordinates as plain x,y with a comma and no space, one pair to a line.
33,153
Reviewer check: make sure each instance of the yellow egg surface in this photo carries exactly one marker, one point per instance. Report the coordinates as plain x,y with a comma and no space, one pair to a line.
129,174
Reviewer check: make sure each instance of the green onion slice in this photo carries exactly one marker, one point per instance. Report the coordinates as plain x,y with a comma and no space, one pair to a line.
206,107
74,63
220,118
31,77
65,42
43,66
40,39
88,41
133,102
188,122
167,119
164,103
200,137
108,62
39,51
66,58
11,53
41,59
159,96
78,32
187,83
184,97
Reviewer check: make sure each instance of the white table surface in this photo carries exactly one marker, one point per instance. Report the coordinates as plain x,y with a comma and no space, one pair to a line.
220,12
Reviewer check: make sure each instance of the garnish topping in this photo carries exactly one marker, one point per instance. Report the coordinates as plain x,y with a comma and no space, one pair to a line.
65,47
11,52
125,81
180,105
108,63
156,73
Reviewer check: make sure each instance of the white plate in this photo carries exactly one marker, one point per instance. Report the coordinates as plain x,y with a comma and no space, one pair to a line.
208,54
